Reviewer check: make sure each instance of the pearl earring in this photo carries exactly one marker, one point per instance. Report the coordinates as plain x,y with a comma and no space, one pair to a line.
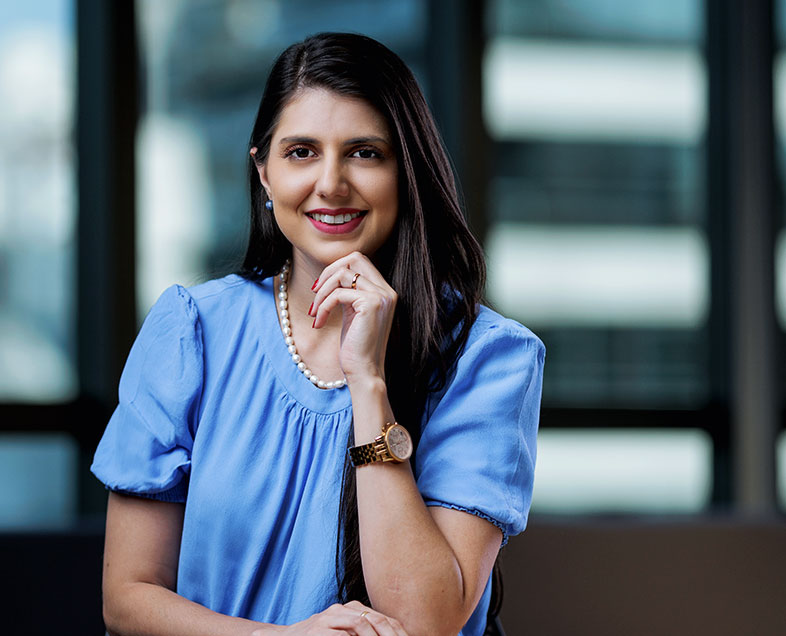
269,205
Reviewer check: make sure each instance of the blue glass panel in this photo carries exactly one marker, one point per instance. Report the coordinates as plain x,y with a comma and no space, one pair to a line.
37,194
37,481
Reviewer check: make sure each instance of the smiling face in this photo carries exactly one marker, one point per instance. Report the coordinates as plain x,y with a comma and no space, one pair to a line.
332,176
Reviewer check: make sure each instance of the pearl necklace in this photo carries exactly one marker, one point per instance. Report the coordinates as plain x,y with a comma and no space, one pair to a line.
286,328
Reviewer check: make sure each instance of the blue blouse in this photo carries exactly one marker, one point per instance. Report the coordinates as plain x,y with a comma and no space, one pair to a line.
212,412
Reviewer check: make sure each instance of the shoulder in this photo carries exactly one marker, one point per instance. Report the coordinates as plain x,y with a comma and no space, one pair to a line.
190,302
227,296
492,331
221,301
228,287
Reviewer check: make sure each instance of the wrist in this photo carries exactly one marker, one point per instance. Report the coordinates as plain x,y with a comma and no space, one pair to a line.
366,384
370,407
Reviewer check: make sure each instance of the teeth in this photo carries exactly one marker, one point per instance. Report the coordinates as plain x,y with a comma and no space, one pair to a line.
335,219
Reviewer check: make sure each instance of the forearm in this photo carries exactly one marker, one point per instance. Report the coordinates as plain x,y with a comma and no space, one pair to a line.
409,567
147,609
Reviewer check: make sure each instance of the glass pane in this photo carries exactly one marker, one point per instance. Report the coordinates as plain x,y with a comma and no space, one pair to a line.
622,471
624,276
597,235
592,90
201,103
37,217
37,481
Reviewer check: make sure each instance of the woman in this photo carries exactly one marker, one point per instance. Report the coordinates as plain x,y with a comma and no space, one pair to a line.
354,321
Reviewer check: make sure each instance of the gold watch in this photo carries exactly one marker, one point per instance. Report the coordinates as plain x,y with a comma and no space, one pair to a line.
394,445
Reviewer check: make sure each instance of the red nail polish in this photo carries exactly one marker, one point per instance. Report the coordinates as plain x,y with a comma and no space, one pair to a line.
310,308
315,284
314,323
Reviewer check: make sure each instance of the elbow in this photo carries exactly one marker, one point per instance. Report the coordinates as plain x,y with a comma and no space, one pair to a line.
116,609
437,614
109,623
436,603
434,625
110,617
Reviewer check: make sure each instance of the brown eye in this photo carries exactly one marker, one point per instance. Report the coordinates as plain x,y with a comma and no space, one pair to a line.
367,153
298,152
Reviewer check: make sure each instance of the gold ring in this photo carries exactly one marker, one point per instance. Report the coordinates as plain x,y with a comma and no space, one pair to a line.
354,284
364,612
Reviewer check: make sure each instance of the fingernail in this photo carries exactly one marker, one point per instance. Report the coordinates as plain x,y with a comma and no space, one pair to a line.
310,308
314,323
315,284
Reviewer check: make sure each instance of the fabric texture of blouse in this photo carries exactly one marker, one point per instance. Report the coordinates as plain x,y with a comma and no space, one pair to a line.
213,413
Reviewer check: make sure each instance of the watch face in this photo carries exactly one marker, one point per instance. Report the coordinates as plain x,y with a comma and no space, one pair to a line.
399,442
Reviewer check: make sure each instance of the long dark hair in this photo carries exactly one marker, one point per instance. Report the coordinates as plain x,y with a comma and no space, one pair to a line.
432,260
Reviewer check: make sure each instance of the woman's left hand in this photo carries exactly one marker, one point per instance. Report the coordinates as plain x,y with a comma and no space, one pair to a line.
367,313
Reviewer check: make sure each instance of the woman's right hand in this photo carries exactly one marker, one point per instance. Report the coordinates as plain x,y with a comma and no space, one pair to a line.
352,619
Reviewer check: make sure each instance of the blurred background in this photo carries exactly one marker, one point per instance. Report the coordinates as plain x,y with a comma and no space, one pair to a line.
622,163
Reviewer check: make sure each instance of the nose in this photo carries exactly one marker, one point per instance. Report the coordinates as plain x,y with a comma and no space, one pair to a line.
331,181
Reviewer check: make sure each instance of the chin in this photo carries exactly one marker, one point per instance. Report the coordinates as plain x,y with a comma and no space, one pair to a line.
335,252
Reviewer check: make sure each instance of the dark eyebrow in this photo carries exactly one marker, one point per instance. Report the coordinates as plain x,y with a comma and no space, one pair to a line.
297,140
366,140
349,142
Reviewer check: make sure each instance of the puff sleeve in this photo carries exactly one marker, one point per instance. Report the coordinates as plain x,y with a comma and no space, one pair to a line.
477,447
146,448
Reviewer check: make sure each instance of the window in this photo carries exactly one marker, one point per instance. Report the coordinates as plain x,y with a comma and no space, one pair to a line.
38,472
597,237
37,203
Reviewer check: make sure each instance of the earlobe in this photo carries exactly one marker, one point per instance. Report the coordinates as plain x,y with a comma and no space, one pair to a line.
262,170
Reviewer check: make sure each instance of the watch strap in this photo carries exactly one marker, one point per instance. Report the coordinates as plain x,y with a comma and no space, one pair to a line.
365,454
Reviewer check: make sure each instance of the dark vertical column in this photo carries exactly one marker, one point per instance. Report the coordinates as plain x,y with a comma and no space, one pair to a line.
107,109
455,55
741,209
718,226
